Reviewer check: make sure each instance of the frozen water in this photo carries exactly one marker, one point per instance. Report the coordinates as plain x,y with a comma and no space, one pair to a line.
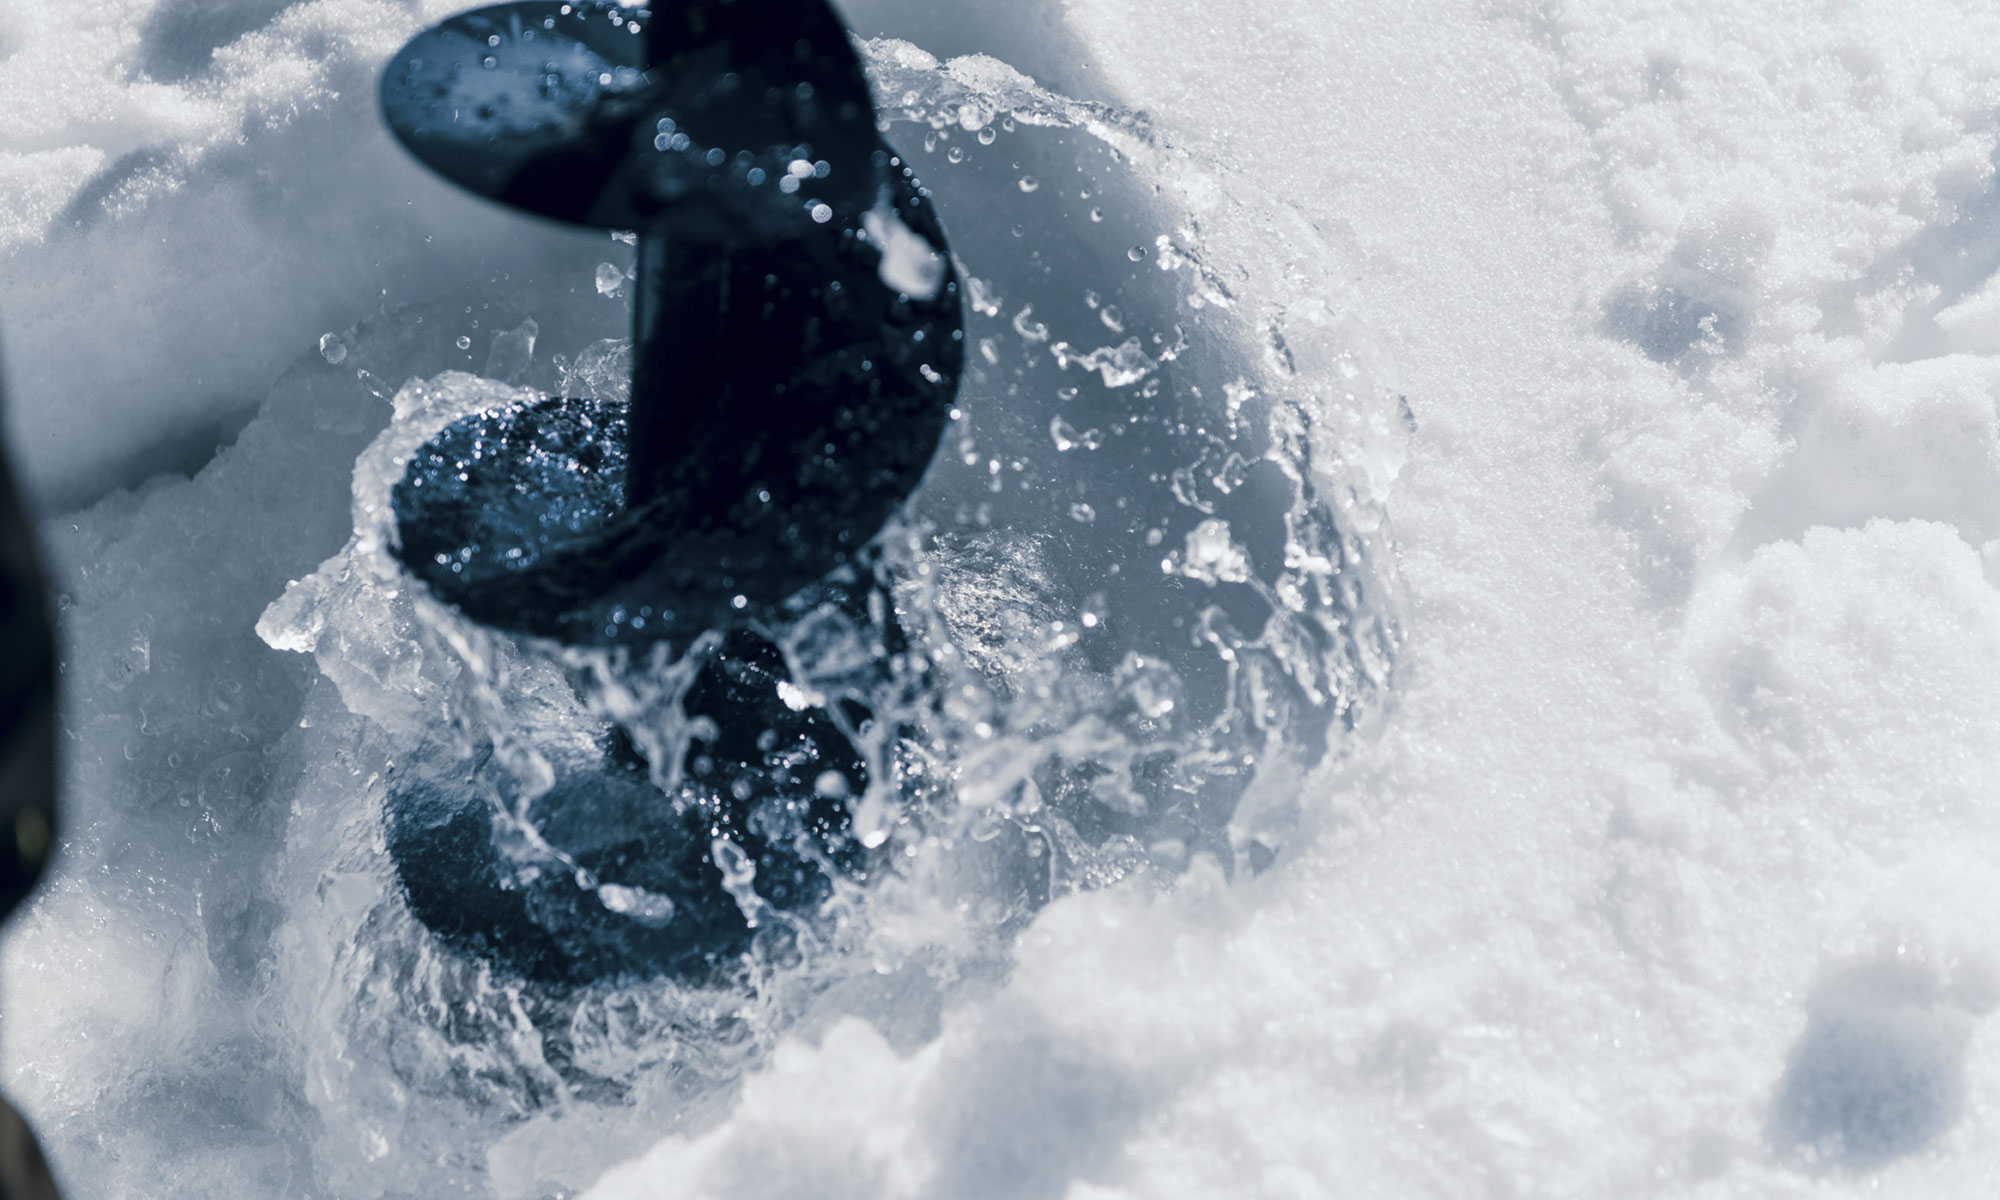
274,170
1667,873
1102,722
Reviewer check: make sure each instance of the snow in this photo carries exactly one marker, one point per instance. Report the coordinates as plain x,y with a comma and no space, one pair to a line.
178,225
1666,871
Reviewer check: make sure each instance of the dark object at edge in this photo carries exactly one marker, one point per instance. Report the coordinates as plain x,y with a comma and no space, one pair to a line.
27,780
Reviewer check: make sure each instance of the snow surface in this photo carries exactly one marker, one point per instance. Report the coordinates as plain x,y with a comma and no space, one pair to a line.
1669,872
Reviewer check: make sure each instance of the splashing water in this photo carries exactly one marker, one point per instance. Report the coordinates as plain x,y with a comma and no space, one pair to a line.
1019,701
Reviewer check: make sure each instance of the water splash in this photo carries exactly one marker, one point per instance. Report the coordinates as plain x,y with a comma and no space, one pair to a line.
1036,706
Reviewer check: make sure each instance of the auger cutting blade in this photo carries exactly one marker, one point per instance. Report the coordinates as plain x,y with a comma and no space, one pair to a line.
725,119
797,337
535,104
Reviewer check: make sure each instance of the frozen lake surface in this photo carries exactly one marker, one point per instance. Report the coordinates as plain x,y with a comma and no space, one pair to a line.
1657,859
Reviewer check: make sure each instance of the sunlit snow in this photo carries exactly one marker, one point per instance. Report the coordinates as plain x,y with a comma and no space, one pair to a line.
1645,353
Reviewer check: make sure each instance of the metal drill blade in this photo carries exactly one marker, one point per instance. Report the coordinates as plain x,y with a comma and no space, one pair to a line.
534,104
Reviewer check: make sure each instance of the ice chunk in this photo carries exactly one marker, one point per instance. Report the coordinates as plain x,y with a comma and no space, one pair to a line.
512,353
910,264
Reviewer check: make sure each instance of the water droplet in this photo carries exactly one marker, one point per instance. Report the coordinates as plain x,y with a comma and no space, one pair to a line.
647,908
1083,514
1030,331
980,294
988,136
956,154
1029,183
1097,214
464,342
1136,254
737,867
1066,436
822,213
609,279
332,349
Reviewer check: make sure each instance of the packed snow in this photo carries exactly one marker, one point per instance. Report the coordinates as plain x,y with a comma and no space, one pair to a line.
1661,865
